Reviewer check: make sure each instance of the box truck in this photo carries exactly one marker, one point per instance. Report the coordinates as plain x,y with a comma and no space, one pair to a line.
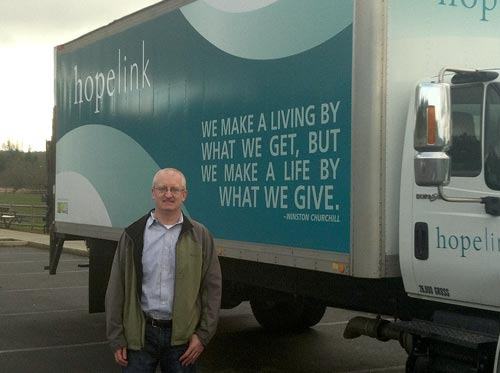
342,152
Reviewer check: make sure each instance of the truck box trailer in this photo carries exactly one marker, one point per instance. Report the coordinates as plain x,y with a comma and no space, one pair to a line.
332,164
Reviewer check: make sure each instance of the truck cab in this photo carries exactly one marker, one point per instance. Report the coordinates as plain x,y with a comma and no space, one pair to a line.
449,217
449,238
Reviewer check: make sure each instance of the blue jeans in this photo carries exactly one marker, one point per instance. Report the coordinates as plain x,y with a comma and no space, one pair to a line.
157,349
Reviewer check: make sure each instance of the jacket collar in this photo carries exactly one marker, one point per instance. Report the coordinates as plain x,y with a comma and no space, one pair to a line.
136,232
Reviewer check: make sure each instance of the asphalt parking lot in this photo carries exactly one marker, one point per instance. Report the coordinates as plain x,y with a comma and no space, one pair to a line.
44,322
45,327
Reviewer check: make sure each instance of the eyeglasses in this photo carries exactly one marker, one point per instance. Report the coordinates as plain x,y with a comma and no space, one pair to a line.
165,189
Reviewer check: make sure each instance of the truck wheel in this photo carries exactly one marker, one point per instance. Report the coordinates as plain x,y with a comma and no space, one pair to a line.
287,314
417,364
277,315
312,313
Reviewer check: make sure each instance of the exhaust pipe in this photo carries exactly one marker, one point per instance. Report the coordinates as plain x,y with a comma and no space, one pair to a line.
378,328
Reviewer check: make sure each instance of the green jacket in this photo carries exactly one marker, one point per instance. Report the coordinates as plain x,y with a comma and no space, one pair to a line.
197,290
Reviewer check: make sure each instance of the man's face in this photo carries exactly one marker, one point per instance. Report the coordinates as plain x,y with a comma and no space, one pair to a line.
168,192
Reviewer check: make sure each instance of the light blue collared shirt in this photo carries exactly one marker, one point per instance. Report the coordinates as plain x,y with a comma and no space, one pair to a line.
158,265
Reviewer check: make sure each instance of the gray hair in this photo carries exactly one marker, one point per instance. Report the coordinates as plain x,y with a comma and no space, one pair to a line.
169,170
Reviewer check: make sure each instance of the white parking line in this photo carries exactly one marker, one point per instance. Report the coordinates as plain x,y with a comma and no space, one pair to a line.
42,260
42,289
85,270
331,323
41,312
52,347
395,368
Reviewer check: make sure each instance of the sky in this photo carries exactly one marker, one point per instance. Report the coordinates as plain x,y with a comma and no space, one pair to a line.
29,31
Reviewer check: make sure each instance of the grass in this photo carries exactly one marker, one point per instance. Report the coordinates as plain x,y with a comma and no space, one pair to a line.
21,198
28,215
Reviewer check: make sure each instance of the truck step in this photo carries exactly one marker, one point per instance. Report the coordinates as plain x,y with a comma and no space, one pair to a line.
446,333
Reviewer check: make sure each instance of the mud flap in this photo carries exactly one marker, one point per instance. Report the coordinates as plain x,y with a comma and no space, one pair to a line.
56,246
101,253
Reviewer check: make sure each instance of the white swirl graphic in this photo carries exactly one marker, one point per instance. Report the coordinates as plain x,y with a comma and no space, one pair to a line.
231,6
268,29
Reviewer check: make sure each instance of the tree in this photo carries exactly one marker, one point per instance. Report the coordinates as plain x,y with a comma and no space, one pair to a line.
10,146
22,170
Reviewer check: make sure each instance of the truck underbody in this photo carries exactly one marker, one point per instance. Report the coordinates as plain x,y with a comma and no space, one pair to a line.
438,337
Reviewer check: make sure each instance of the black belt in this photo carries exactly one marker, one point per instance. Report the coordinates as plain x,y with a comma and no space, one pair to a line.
156,323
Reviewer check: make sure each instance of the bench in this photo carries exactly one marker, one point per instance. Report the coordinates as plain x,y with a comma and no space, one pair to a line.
8,216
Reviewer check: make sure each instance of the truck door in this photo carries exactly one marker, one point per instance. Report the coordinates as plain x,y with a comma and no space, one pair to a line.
461,262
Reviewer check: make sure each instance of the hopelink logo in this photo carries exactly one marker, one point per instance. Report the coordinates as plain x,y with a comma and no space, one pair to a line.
484,7
466,244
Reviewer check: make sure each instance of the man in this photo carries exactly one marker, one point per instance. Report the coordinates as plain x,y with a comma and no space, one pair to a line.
163,296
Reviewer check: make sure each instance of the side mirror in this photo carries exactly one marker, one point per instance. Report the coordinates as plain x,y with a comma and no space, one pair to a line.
432,169
433,118
432,136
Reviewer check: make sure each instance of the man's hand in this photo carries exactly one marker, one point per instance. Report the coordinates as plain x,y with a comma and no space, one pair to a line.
193,352
121,356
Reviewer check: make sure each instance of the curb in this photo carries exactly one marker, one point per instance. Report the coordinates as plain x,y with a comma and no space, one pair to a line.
67,250
12,242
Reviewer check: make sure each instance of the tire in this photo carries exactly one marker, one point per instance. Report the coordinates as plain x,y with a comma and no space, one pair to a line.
312,313
410,364
417,364
293,314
